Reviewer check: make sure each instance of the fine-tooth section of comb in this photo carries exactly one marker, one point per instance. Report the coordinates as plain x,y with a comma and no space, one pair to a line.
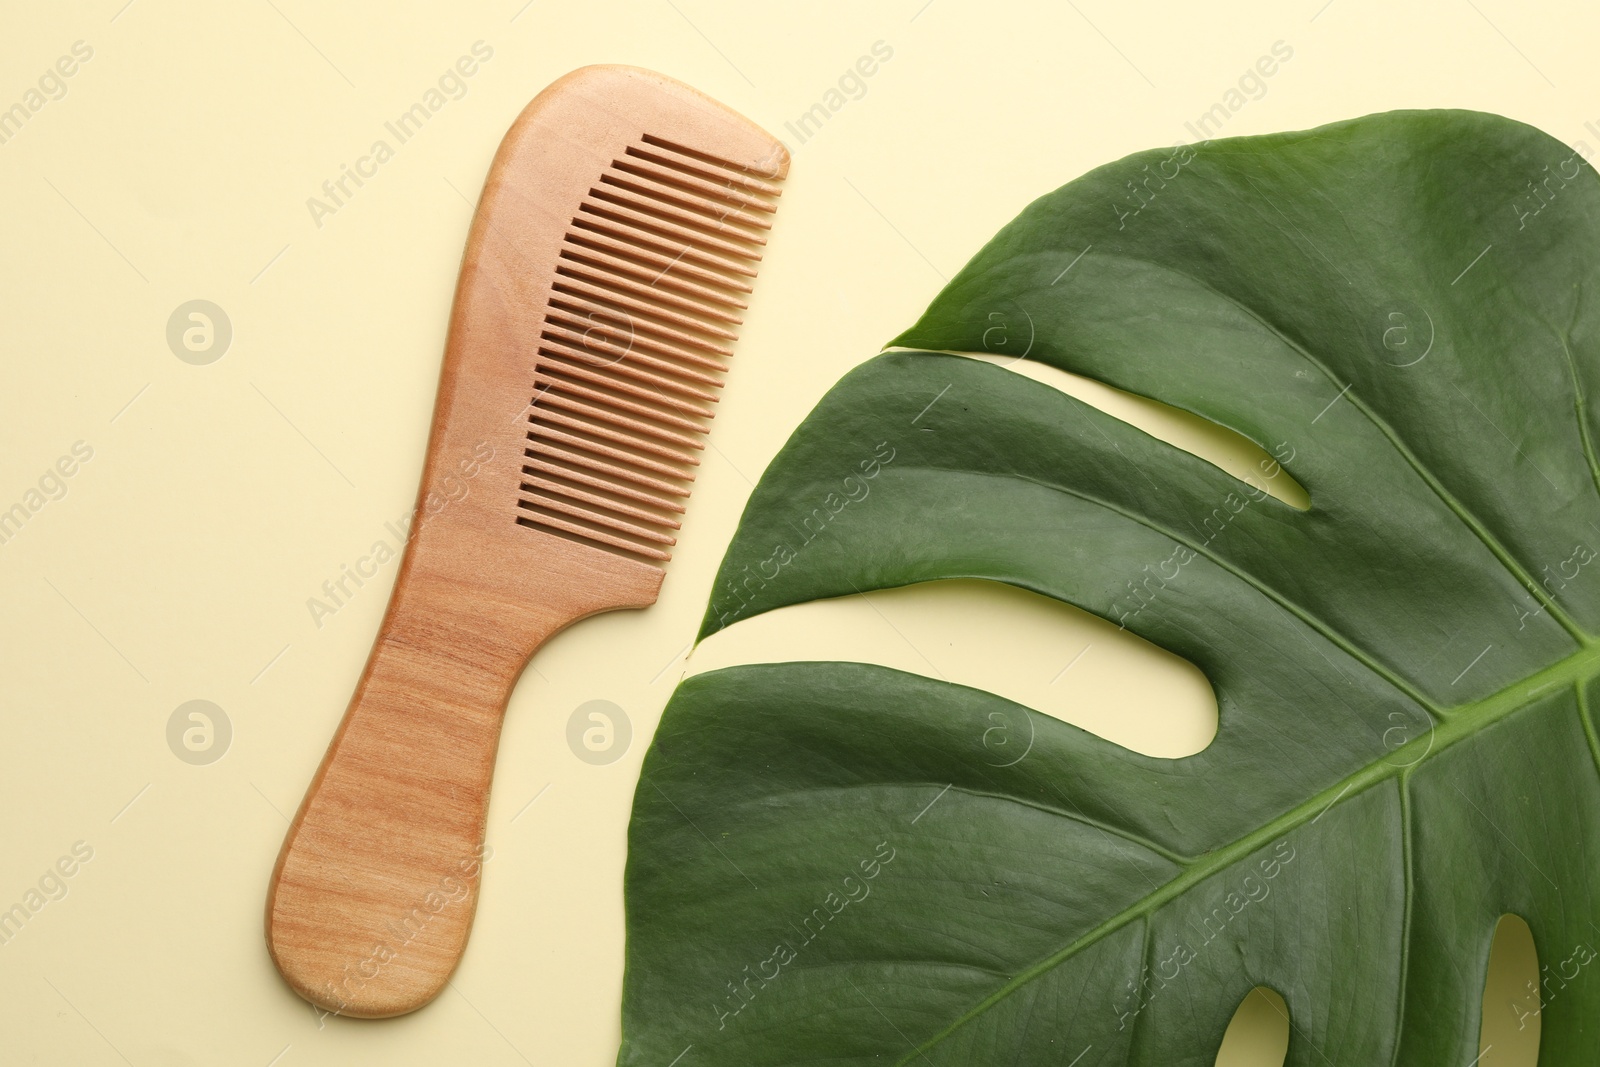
641,317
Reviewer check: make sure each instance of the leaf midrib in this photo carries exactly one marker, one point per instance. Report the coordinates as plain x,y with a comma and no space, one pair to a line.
1460,723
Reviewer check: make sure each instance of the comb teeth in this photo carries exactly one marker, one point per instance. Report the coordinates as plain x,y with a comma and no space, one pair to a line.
642,314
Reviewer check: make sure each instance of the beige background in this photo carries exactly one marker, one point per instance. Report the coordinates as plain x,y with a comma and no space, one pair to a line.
220,497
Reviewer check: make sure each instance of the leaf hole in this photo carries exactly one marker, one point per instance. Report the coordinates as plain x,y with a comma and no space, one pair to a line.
1258,1035
1512,998
1017,644
1226,449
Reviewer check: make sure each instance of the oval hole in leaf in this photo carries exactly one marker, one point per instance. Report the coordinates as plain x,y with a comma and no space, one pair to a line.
1028,648
1509,1035
1258,1036
1212,442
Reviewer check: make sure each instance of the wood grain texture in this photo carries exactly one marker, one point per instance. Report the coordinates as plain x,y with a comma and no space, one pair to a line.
599,296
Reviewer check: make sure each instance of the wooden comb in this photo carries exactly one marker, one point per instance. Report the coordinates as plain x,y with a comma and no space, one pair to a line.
619,228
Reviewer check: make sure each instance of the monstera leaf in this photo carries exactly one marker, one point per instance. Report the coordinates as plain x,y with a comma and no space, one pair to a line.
840,864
